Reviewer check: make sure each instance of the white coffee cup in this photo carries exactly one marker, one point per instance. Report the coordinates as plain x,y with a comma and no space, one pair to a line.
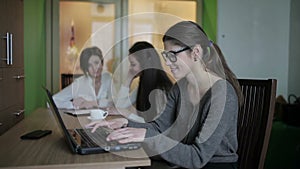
98,114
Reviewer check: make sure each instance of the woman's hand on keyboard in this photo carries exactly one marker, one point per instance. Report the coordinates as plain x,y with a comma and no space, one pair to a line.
113,124
127,134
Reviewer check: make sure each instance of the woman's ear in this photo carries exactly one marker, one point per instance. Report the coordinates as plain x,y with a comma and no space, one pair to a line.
197,52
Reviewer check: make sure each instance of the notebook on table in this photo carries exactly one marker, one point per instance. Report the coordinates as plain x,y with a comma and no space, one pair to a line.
77,112
82,141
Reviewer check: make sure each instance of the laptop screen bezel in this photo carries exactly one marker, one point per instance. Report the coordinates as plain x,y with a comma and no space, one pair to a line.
59,119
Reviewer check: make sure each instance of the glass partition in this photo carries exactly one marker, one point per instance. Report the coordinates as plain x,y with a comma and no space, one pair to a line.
113,26
79,24
156,16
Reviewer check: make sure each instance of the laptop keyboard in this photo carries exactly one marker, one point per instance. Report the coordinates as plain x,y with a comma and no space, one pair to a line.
96,139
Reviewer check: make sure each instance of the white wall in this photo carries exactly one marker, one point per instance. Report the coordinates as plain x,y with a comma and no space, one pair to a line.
254,36
294,61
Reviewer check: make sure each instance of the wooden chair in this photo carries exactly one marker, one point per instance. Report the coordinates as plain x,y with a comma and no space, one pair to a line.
67,79
255,121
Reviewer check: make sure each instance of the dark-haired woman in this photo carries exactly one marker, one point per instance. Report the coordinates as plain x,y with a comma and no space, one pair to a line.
147,100
92,90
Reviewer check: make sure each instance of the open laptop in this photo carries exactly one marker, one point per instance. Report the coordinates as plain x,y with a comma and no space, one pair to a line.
82,141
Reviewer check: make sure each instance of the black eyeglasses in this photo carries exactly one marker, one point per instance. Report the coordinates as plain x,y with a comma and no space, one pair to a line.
171,55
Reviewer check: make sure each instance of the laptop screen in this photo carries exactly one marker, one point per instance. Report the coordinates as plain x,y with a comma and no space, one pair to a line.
59,120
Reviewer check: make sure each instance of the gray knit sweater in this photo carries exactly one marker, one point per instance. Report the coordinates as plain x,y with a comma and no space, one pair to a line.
189,135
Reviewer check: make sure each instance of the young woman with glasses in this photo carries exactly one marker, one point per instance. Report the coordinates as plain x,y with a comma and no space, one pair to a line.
198,126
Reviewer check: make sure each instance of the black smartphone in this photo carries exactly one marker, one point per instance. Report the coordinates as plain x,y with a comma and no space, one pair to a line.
36,134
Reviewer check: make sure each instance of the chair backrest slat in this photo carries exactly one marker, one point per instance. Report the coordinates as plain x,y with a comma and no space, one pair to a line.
255,121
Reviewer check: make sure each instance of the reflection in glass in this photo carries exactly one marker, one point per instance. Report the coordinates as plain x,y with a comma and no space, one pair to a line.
78,22
84,24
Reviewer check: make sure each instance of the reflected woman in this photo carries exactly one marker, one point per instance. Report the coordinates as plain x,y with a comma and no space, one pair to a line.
92,90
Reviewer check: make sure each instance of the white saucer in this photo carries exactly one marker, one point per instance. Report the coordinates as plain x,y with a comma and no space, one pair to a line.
89,117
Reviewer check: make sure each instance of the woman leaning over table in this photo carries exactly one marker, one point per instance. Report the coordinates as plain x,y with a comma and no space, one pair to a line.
198,126
90,90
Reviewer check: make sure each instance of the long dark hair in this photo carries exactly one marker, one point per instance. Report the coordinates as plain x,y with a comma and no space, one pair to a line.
188,33
152,75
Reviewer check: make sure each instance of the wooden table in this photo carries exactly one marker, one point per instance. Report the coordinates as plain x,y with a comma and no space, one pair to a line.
52,151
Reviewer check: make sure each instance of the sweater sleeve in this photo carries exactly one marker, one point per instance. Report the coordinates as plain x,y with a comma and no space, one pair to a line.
217,138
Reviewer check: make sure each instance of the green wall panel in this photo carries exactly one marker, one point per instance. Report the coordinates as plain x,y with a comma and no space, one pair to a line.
209,20
34,54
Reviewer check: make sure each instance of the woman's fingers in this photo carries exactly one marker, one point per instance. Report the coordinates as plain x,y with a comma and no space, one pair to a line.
119,134
113,124
118,123
125,135
97,124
